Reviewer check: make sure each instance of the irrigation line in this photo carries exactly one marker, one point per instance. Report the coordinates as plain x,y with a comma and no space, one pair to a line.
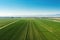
8,24
51,31
31,30
48,29
26,31
18,32
36,35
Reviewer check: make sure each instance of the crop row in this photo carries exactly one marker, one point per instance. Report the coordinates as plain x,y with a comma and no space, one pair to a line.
31,29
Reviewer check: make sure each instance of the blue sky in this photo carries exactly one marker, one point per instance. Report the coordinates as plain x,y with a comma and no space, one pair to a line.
29,7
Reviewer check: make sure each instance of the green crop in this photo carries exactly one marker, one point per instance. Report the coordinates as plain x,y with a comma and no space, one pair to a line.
29,29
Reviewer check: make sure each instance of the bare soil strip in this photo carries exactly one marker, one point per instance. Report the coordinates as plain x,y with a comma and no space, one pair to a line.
7,25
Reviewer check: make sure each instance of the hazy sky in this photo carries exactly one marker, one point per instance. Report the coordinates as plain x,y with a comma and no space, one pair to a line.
29,7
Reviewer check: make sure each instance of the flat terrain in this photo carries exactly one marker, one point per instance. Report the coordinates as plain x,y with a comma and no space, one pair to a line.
29,29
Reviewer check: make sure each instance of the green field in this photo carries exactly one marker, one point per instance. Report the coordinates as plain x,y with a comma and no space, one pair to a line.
29,29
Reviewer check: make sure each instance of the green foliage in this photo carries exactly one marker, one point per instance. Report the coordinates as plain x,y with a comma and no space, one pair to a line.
29,29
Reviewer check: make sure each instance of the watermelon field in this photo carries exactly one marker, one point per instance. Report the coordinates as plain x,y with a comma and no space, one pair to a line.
29,29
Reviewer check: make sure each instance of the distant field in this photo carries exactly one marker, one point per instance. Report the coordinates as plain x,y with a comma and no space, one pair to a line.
29,29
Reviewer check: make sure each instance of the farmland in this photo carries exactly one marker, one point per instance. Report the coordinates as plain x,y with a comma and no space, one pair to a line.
29,29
